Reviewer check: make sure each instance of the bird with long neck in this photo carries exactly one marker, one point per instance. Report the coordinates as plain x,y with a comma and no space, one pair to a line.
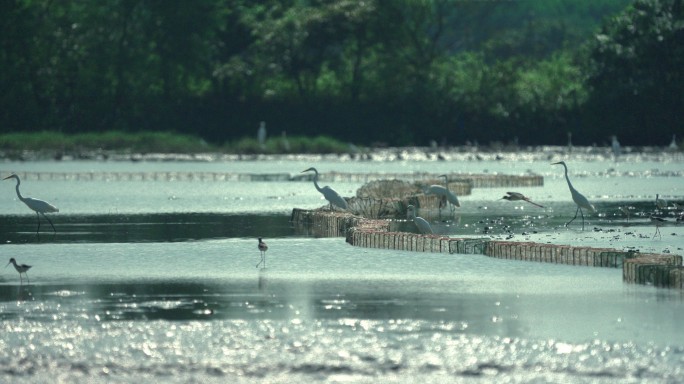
422,224
330,194
21,268
39,206
577,197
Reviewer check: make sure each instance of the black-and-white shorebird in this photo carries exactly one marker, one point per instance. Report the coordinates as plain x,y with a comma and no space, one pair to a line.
21,268
658,221
263,248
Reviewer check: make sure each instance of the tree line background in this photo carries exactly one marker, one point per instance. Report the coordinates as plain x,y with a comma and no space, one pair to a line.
396,72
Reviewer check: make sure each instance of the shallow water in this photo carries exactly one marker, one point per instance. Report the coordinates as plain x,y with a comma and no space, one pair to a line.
156,281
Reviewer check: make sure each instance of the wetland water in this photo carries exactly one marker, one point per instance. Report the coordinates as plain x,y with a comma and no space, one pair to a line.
156,281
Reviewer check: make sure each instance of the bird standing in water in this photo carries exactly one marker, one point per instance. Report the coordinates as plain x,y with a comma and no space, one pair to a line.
330,194
263,248
21,268
516,196
577,197
658,221
422,224
39,206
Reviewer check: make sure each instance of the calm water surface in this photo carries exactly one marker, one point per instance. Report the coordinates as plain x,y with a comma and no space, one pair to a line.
156,281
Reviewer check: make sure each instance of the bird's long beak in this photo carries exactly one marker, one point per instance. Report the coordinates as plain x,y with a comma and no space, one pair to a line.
7,177
8,264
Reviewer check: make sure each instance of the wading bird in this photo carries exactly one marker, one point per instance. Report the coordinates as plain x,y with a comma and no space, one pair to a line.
658,221
660,203
443,192
577,197
39,206
330,194
21,268
263,248
515,196
422,224
615,146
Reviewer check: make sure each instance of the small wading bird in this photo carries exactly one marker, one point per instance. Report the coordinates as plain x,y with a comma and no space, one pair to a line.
21,268
39,206
515,196
422,224
577,197
330,194
443,192
263,248
658,221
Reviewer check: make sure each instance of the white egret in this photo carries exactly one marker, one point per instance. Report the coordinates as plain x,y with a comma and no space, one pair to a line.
263,248
444,191
422,224
39,206
673,143
330,194
261,135
615,146
516,196
21,268
577,197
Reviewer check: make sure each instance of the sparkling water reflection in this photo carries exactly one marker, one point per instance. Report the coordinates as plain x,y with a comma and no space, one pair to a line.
156,281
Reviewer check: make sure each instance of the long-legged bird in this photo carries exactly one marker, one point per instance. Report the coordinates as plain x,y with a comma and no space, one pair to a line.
21,268
577,197
262,248
330,194
39,206
422,224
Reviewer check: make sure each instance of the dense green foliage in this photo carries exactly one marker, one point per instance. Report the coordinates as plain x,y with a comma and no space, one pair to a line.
377,71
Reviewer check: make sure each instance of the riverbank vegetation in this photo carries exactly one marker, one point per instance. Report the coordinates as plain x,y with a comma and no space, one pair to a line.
77,144
373,72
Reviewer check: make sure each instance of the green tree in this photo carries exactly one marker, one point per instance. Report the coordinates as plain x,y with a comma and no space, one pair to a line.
636,68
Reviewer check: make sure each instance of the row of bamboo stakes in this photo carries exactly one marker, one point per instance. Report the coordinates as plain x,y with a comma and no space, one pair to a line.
662,270
473,180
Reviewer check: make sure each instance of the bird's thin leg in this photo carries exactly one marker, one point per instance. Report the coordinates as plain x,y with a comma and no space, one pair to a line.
573,219
28,281
582,213
38,216
50,221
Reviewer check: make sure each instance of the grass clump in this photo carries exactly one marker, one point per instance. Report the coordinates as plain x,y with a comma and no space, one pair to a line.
291,144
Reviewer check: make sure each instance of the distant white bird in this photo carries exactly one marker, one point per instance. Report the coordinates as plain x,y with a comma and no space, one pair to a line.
261,135
577,197
262,248
444,192
673,144
330,194
21,268
658,221
660,203
515,196
615,146
422,224
39,206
